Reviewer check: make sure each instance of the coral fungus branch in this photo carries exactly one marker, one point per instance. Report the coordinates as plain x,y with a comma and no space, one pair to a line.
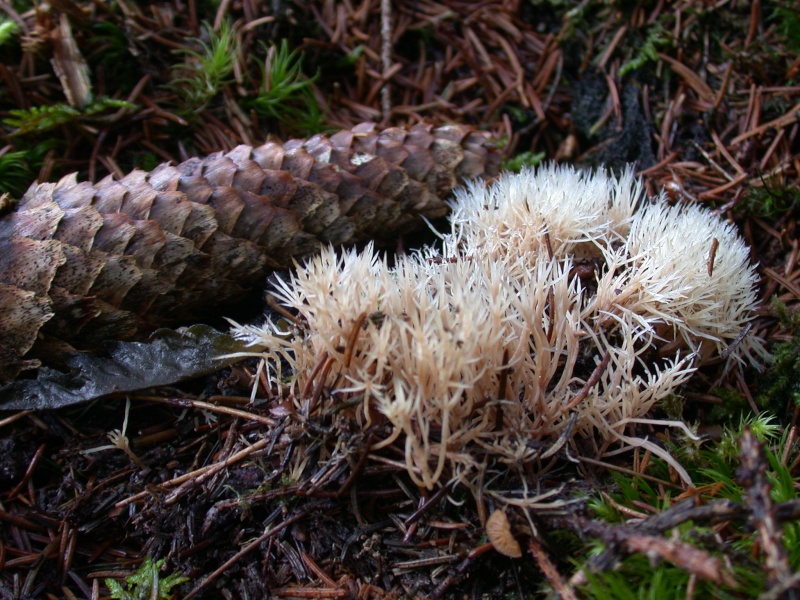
487,344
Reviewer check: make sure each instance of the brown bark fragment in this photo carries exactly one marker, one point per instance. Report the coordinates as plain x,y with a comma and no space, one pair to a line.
752,476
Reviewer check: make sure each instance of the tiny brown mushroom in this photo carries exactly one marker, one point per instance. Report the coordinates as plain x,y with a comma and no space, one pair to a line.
498,530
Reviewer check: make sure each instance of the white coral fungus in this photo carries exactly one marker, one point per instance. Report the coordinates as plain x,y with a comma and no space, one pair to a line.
554,303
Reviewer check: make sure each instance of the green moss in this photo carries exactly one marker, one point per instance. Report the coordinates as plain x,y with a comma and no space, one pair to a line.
782,386
206,72
732,407
657,37
787,19
146,583
770,202
287,95
523,160
788,320
15,171
40,119
8,30
18,168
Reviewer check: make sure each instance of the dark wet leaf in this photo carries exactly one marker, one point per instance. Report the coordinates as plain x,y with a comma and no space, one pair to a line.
169,357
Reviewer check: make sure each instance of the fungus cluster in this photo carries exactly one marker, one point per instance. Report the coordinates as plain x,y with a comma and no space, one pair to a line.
562,303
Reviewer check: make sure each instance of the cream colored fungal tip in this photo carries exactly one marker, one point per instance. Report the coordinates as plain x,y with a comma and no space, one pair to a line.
561,300
576,209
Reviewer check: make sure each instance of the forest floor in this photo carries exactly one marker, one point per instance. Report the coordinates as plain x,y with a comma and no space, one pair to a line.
210,497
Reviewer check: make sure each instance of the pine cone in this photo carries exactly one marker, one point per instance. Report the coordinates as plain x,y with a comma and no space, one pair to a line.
85,263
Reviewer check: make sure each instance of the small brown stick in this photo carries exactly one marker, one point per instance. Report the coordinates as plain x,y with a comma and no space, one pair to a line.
685,556
250,547
326,369
206,471
594,378
548,245
313,566
616,104
555,85
95,150
15,417
551,325
69,539
723,88
791,437
318,366
716,166
500,99
691,78
732,346
628,513
791,287
199,404
629,539
751,474
745,391
626,471
755,22
563,438
712,254
516,68
724,151
550,295
658,166
359,465
771,150
612,46
34,462
548,569
791,116
458,573
501,392
424,562
415,516
386,58
351,340
709,194
309,592
273,304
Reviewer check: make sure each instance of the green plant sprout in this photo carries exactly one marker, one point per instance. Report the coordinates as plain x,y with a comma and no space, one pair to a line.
657,36
19,167
787,19
8,29
206,72
763,426
108,51
783,383
352,57
145,583
287,95
524,159
40,119
789,320
770,202
15,172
